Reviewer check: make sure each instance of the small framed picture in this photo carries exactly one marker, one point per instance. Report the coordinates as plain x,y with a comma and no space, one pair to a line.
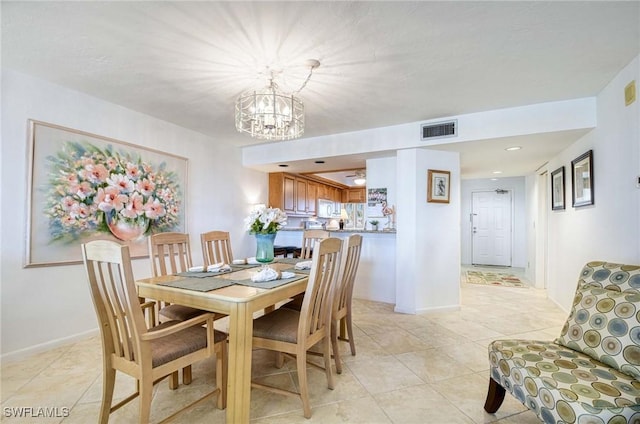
438,186
582,179
557,189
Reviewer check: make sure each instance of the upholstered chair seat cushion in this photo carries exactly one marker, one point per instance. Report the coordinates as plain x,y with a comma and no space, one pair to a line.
562,385
179,344
281,324
176,312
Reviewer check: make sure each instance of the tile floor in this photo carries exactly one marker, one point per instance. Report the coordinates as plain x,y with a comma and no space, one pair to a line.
408,369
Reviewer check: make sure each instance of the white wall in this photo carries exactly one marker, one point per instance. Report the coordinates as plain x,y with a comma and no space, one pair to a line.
42,307
610,229
517,187
428,234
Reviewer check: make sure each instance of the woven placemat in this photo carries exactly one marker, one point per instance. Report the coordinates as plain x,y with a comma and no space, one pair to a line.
200,284
269,284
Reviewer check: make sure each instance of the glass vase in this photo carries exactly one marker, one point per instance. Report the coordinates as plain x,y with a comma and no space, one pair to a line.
264,248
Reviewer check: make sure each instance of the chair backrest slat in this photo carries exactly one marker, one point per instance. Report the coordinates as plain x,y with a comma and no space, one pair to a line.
309,239
216,247
318,298
114,295
170,253
351,255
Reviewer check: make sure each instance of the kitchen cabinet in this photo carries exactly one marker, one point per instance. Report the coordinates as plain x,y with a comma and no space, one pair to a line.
312,197
297,195
354,195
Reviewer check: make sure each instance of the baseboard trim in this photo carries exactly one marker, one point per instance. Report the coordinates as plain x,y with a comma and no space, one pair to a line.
17,355
450,308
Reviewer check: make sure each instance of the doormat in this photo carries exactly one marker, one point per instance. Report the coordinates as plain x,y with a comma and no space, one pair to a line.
494,279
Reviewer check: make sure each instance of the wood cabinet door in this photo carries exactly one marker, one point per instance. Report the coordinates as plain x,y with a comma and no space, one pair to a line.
354,195
312,197
289,190
301,196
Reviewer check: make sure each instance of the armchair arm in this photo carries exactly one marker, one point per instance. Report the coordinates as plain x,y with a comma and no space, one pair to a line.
199,320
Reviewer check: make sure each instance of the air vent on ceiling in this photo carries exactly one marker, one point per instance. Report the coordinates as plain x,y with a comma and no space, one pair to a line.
440,129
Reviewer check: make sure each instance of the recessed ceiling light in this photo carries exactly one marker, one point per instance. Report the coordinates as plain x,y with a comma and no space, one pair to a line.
319,161
513,148
497,172
494,179
283,165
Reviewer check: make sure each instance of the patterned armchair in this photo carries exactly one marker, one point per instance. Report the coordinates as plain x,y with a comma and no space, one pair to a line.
591,373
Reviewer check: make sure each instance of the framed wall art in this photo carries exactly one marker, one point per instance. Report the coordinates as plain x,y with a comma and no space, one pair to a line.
557,189
86,187
582,179
438,186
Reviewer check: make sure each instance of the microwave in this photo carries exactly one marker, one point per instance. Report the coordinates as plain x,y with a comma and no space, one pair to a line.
328,209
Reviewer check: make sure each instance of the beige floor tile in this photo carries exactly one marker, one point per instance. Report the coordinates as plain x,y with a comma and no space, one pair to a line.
433,365
399,341
383,374
420,404
465,392
470,354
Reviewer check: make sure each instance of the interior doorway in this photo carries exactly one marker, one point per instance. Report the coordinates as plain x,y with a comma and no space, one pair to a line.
491,227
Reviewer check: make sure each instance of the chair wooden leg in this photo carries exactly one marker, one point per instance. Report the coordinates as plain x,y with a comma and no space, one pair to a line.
335,346
108,384
221,375
352,342
146,393
301,359
173,380
279,360
186,375
495,396
327,362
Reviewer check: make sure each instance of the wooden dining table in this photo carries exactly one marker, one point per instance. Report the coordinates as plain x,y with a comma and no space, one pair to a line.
240,303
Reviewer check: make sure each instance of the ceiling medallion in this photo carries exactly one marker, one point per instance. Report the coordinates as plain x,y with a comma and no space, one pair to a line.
269,114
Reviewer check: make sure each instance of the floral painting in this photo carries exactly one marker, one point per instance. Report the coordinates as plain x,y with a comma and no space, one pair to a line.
85,187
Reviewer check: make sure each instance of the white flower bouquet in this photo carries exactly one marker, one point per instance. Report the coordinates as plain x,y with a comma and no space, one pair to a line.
263,220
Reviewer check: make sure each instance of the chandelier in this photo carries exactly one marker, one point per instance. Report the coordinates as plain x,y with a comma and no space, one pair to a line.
269,114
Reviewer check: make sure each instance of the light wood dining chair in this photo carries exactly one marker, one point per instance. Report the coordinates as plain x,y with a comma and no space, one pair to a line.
341,316
170,253
295,332
216,247
309,240
128,346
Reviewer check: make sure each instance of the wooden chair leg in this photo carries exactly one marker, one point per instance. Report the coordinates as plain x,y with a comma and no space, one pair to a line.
495,396
146,393
279,360
301,359
186,375
221,375
336,347
173,380
327,362
108,384
352,342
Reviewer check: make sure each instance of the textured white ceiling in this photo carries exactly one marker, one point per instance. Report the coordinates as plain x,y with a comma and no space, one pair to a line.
383,63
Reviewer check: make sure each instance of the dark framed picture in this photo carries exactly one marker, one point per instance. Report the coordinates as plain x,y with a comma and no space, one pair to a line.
557,189
582,179
438,186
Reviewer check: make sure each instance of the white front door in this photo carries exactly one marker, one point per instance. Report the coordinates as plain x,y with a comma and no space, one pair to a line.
491,227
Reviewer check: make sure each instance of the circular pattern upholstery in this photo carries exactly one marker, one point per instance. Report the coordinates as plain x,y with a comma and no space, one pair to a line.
564,386
604,324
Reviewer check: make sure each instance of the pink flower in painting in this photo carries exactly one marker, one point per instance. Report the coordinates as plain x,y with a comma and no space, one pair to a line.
68,202
68,220
79,211
109,198
70,178
145,187
122,182
135,207
96,173
112,163
133,171
83,190
154,209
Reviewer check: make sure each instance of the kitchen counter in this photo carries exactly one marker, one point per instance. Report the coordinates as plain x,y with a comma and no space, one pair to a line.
346,230
376,278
